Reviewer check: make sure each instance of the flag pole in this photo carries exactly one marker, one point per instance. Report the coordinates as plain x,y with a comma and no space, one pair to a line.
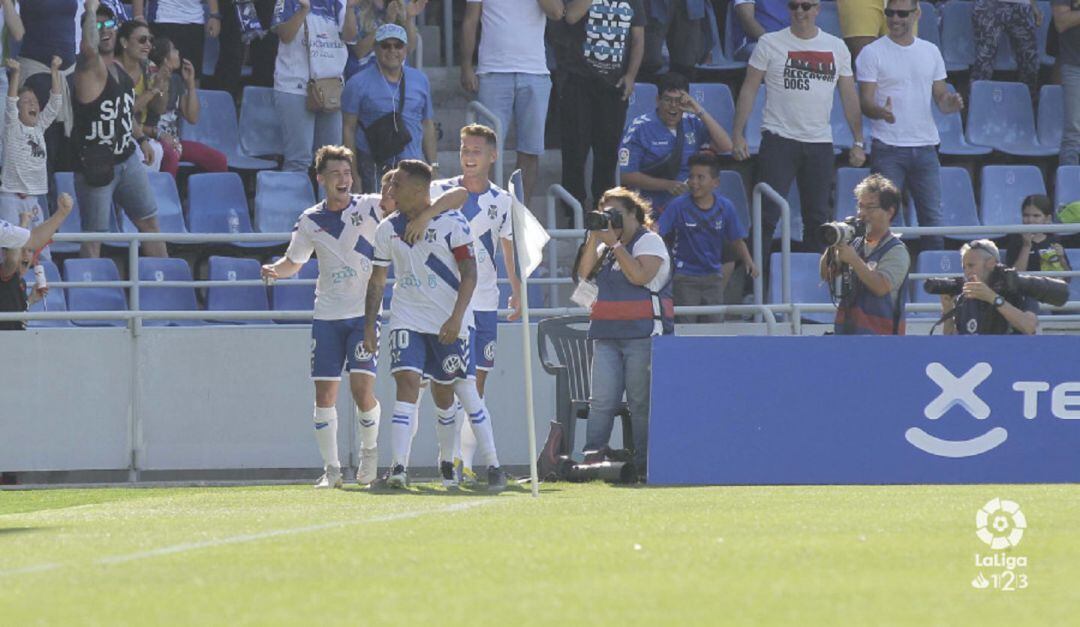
526,340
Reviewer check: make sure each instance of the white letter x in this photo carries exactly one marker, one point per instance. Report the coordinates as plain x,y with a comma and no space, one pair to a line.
958,390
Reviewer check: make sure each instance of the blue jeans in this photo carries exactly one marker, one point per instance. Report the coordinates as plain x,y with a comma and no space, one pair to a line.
520,99
917,170
1070,138
130,189
620,366
304,132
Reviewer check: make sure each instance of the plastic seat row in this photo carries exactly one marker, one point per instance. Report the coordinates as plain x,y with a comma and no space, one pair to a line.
958,37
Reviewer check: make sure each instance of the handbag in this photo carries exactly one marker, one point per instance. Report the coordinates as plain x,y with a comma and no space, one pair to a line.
97,162
323,94
387,136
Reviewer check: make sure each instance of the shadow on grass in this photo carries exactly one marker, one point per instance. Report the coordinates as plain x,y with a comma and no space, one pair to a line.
5,531
433,489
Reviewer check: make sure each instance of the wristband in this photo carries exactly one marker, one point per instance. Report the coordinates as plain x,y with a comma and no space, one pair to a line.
616,246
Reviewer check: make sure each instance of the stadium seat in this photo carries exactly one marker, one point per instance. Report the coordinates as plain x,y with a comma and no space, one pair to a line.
930,23
957,36
846,180
1066,185
170,211
218,128
65,183
54,300
94,298
236,298
1051,115
719,57
1004,187
260,128
286,297
716,99
642,101
806,284
958,207
841,132
828,19
795,204
280,198
1000,116
932,262
732,188
217,204
951,131
152,269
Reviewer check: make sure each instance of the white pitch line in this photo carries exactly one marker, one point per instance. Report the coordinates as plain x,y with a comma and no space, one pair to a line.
252,537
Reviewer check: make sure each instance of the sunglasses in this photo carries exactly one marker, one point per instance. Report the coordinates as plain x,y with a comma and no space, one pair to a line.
106,24
145,39
900,13
391,45
805,6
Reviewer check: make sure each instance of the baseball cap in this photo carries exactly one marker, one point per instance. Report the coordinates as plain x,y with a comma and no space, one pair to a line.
391,31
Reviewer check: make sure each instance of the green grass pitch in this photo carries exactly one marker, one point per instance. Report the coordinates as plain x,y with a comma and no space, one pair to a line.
579,555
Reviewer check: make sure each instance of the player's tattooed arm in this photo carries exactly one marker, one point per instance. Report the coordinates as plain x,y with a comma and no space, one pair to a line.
448,201
372,302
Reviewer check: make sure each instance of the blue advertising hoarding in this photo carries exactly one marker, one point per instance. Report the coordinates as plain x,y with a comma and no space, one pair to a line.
865,410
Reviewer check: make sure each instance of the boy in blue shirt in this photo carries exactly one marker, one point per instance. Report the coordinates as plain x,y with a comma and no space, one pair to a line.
695,226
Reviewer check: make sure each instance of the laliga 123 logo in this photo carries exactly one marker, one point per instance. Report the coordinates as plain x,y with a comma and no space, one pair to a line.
1000,525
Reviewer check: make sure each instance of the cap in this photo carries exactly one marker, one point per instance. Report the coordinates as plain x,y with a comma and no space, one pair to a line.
391,31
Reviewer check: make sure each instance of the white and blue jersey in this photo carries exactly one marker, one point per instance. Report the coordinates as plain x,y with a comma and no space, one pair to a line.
648,141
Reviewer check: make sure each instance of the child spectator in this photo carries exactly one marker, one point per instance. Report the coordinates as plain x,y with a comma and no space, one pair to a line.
1032,252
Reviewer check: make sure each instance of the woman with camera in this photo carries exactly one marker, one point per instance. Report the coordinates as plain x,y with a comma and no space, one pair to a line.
626,272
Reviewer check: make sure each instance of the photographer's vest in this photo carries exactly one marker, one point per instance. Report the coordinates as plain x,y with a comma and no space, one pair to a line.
863,312
626,311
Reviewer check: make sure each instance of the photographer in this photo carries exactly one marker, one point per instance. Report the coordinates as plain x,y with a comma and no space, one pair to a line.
873,267
980,309
627,269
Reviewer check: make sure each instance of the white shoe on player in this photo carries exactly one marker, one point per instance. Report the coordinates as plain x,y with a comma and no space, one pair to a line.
369,466
330,479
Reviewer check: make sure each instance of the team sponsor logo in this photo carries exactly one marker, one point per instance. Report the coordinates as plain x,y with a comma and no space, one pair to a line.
342,274
361,354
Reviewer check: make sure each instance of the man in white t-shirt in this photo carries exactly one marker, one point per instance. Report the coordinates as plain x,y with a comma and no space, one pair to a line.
899,75
512,79
801,67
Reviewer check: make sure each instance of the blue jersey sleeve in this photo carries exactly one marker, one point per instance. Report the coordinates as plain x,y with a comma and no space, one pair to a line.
701,135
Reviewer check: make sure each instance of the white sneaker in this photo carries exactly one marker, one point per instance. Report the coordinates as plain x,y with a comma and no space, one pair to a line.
398,479
369,466
330,479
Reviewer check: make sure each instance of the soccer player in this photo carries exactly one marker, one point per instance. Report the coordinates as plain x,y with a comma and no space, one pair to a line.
340,230
430,319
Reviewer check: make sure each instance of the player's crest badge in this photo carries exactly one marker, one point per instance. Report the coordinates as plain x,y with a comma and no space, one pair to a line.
430,236
356,219
493,211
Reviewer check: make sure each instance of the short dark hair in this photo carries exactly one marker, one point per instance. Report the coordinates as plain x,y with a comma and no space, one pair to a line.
1040,202
126,30
706,159
672,81
479,130
914,3
23,90
104,11
416,170
887,192
326,154
160,50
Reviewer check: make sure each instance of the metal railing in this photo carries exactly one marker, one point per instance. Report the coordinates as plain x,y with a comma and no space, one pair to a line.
556,193
763,189
476,111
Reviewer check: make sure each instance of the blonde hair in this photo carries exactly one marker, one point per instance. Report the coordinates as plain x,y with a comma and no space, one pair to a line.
332,153
631,200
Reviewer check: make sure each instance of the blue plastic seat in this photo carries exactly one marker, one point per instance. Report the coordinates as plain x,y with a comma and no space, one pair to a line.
280,198
1051,115
54,300
260,127
286,297
828,19
846,180
1067,186
806,284
642,101
94,298
951,131
716,99
795,204
152,269
236,298
930,23
932,262
65,183
217,204
217,127
1000,116
957,35
958,207
1004,188
732,188
719,58
170,212
842,138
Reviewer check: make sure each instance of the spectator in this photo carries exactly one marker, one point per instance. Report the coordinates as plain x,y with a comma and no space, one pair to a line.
599,45
24,174
681,25
370,15
9,19
512,79
1066,23
1018,19
134,42
262,47
370,104
105,137
181,99
899,75
874,267
655,152
1033,252
695,226
754,18
20,245
861,22
801,67
330,23
182,21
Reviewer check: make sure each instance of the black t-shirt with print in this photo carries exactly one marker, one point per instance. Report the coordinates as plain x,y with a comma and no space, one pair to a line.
598,45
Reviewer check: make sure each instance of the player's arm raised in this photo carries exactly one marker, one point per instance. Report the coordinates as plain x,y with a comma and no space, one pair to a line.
451,329
372,302
447,201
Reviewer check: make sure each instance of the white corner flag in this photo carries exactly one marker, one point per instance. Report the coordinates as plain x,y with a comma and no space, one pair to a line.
529,241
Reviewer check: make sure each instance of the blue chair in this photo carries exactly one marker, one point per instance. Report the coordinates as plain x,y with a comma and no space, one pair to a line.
1066,186
235,298
286,297
828,19
795,204
932,262
170,211
806,284
958,207
716,99
217,204
1051,115
65,183
841,132
94,298
217,128
732,188
951,131
1004,187
642,101
718,59
54,300
930,23
153,269
280,198
1000,116
260,127
846,180
957,35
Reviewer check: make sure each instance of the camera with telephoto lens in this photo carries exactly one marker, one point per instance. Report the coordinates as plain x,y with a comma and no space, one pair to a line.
1009,284
843,232
608,218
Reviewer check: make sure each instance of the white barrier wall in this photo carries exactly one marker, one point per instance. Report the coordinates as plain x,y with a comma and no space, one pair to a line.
215,397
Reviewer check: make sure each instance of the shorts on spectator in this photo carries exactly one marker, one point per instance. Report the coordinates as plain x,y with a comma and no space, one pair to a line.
130,188
485,338
862,18
425,354
340,343
523,97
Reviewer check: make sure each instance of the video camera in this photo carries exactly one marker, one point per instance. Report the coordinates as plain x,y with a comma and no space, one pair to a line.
843,232
603,220
1008,283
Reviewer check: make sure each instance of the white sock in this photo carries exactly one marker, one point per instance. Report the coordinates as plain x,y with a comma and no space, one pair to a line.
326,435
401,432
479,420
369,426
445,428
414,425
468,440
459,423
